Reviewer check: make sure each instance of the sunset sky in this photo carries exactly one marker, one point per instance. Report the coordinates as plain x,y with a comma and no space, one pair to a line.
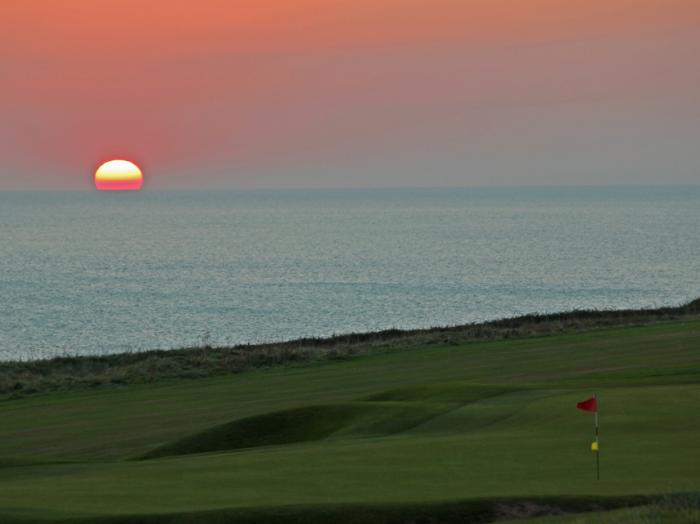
350,93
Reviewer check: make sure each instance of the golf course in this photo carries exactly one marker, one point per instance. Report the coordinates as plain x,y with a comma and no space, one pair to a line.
436,432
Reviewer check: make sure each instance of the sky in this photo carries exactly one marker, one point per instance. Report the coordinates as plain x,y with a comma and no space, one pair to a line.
350,93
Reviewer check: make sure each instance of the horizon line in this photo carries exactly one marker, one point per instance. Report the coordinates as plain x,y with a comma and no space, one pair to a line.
361,188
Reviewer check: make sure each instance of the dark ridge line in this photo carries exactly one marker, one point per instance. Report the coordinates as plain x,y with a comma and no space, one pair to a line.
19,379
663,313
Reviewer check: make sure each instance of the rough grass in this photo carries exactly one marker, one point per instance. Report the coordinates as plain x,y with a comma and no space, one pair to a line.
19,379
668,509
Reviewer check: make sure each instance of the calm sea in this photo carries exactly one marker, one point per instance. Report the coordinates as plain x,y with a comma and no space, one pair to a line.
93,273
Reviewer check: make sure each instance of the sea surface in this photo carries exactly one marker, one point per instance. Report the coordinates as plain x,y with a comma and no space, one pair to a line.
95,273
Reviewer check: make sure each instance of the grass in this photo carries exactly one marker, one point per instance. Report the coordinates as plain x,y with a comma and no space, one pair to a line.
21,379
674,509
306,424
482,510
441,431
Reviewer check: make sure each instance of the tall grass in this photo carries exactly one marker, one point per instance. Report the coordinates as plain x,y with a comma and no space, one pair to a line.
19,379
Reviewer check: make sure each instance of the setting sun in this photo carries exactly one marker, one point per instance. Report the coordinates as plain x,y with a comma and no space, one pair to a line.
118,175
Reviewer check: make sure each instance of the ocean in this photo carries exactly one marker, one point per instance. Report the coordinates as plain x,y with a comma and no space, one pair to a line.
96,272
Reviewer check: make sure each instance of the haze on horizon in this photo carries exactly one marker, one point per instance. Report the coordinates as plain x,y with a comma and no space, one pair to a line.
350,93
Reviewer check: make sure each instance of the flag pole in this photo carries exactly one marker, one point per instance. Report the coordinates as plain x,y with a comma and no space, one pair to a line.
597,445
591,406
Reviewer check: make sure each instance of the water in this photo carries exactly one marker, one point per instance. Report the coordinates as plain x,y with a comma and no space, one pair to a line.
93,273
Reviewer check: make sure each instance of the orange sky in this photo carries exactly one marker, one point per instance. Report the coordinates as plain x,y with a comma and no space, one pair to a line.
343,93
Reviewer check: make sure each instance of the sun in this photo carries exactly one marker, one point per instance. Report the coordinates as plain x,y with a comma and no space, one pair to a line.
118,175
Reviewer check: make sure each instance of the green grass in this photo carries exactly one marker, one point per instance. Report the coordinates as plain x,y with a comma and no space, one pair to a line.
437,430
306,424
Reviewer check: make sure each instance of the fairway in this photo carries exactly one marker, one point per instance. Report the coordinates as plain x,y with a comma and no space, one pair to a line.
433,425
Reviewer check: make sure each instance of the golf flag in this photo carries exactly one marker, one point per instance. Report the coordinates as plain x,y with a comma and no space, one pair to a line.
591,405
588,405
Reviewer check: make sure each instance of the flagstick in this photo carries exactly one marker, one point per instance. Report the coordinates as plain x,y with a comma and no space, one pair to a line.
591,405
597,451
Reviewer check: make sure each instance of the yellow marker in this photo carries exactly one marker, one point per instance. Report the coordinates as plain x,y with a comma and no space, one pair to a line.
594,446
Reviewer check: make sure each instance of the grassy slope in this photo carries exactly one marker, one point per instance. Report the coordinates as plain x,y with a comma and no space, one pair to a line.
428,424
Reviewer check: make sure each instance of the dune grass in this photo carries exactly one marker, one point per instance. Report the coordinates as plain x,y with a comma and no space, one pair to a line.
439,431
21,379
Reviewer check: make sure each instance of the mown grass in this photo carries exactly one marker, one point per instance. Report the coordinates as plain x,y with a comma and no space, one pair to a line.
118,423
441,432
306,424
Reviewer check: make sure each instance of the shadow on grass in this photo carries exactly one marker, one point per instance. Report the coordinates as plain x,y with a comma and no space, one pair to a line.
473,511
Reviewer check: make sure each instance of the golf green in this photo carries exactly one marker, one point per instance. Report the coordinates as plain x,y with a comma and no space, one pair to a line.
431,425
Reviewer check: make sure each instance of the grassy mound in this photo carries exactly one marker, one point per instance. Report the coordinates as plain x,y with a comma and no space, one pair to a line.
383,414
305,424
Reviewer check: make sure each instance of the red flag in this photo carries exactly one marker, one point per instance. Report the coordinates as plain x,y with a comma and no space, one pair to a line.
588,405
